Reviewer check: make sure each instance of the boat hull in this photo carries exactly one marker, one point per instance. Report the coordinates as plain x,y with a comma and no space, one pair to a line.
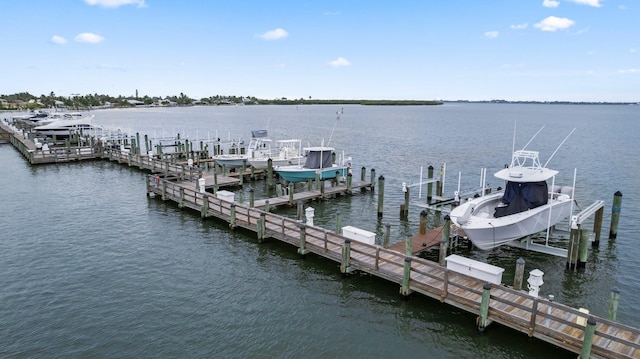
296,174
262,163
230,160
487,232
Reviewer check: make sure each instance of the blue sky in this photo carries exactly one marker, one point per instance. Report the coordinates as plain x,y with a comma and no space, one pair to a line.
562,50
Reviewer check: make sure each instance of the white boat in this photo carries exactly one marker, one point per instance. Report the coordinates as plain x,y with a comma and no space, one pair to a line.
318,164
62,128
526,206
286,152
259,147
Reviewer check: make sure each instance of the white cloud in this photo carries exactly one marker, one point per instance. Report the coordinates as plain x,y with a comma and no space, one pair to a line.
115,3
594,3
519,26
553,23
550,3
275,34
491,34
340,62
629,71
58,40
89,38
633,51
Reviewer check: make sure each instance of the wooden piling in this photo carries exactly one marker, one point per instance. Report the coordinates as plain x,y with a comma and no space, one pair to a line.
615,214
404,209
483,319
232,216
406,277
373,179
519,276
300,209
346,256
613,304
430,184
291,194
422,228
597,226
380,195
270,173
387,235
583,248
303,239
589,332
338,223
251,198
442,254
205,206
408,248
572,250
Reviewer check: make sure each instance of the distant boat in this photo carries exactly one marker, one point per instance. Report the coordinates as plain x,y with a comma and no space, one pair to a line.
259,147
526,206
318,164
286,152
65,127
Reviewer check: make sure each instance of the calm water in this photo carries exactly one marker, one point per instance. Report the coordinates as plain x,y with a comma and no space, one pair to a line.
93,268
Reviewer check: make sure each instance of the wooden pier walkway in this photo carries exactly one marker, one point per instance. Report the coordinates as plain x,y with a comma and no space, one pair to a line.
537,317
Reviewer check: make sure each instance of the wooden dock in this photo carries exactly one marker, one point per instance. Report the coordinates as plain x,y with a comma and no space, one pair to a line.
537,317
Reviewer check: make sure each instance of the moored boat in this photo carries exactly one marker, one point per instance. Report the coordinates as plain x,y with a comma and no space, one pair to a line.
318,164
526,206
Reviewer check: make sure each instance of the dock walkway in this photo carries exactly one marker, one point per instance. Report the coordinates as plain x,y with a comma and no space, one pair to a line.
546,320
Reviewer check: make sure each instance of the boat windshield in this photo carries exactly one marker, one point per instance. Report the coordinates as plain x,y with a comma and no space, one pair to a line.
319,159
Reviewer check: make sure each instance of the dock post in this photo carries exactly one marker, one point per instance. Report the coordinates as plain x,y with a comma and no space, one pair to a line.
615,214
321,187
279,189
338,223
309,184
346,256
317,180
597,226
251,198
406,277
266,205
300,204
404,209
380,195
205,206
373,179
259,228
291,194
303,240
430,184
387,234
232,216
483,319
613,304
164,190
519,276
181,199
363,174
583,248
408,246
349,182
422,228
442,255
270,173
589,331
572,253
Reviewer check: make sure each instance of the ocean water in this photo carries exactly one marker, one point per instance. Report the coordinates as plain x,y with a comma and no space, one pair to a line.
92,267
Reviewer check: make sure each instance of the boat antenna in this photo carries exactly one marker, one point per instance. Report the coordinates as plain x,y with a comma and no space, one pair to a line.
513,141
534,136
338,113
561,143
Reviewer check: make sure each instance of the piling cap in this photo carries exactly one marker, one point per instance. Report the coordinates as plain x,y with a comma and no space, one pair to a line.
520,261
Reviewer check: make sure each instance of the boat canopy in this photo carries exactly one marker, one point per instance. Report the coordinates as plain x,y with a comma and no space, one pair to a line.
259,133
319,158
519,197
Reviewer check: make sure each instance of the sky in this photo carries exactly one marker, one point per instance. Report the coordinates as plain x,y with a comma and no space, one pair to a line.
515,50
